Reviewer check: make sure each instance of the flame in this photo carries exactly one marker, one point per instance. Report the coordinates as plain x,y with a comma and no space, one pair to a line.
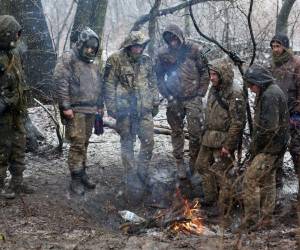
192,222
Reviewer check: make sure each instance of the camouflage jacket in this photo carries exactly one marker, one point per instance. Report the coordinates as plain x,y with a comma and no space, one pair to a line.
12,77
224,125
181,73
287,77
79,84
270,130
129,86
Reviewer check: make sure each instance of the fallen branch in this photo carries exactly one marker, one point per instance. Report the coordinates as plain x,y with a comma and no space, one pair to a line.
160,130
56,123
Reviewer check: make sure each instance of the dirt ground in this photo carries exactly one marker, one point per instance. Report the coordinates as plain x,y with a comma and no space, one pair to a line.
52,218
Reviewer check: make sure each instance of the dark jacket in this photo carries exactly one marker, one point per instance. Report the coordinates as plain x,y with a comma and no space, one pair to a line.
270,133
287,77
182,74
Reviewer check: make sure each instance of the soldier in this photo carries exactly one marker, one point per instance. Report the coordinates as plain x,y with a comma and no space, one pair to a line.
268,145
224,123
182,75
80,97
132,98
285,68
13,109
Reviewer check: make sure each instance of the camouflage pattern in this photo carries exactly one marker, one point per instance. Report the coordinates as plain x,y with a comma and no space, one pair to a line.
8,31
259,188
79,88
213,169
78,132
183,79
131,95
268,144
12,97
135,38
287,75
223,128
176,113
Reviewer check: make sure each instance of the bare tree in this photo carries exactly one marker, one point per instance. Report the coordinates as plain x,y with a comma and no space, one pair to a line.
282,20
90,13
152,26
38,53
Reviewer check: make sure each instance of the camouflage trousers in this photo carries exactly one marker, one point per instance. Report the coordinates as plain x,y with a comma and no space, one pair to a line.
127,138
12,144
259,188
177,111
78,132
214,169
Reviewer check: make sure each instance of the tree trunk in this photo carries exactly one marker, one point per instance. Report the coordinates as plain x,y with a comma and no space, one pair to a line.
282,20
152,26
37,52
90,13
187,23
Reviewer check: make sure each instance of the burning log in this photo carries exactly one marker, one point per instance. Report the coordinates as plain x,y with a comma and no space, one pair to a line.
183,216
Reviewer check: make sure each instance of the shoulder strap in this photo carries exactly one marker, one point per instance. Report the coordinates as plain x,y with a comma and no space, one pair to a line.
223,104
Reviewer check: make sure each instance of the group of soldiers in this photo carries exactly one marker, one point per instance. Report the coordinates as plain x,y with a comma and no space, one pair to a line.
130,87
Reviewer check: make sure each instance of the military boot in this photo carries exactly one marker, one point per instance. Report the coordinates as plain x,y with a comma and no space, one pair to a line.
6,193
76,185
86,181
181,171
18,186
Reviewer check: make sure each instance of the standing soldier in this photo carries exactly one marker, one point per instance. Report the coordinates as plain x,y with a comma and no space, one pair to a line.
224,123
268,145
79,90
182,75
286,71
132,98
12,109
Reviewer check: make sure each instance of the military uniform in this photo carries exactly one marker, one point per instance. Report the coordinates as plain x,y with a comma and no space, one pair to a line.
224,123
12,105
286,71
131,95
79,88
268,144
183,79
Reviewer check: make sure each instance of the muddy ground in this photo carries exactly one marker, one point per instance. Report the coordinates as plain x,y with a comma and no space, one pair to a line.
52,218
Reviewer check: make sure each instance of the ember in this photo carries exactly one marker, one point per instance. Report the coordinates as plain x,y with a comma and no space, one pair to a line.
191,222
183,216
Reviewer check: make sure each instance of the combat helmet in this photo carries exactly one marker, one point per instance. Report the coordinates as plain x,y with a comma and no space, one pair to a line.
87,38
135,38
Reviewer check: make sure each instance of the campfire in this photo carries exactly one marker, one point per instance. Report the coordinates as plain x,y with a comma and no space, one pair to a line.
182,217
190,221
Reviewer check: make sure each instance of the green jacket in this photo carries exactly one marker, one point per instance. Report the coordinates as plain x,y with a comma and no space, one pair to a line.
12,78
129,84
270,130
224,125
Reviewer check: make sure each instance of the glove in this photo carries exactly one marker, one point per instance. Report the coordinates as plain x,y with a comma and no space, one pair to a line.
155,111
3,107
295,120
98,126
